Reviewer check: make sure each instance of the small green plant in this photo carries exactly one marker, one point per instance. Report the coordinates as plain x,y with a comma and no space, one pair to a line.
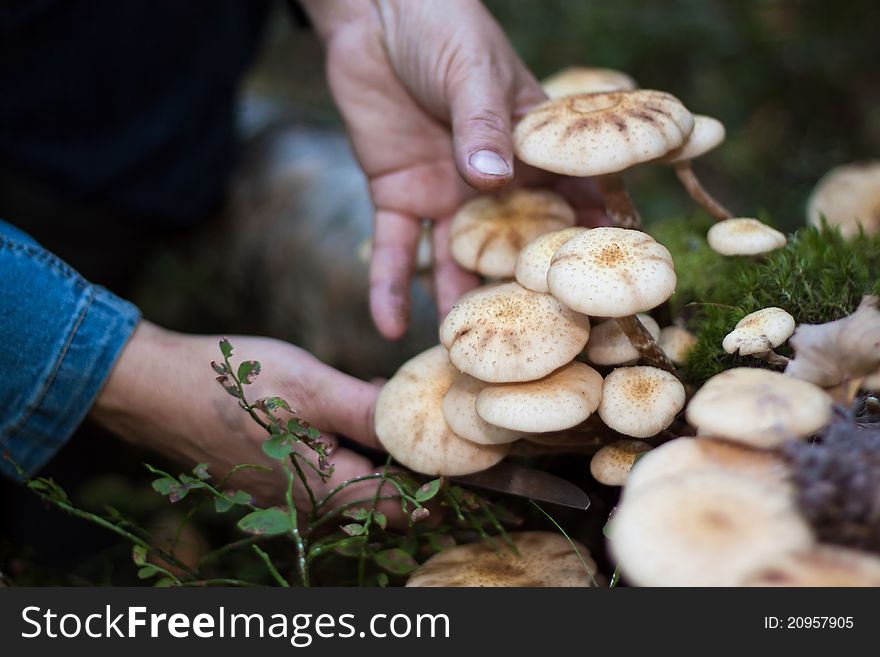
290,544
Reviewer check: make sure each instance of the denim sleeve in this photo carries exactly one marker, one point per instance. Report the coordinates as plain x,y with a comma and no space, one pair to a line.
59,339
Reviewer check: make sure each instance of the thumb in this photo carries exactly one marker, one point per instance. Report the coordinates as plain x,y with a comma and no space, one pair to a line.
347,406
480,111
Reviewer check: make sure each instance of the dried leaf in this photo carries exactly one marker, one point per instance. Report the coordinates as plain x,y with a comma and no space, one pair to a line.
846,349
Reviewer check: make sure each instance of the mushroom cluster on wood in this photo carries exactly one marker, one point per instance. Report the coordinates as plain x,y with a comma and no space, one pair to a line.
543,559
640,401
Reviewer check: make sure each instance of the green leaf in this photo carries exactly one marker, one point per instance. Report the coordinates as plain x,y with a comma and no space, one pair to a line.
164,583
248,370
177,492
351,547
428,491
201,471
274,403
353,529
380,519
163,485
278,447
295,426
225,348
223,504
146,572
266,522
139,555
219,368
382,580
395,561
313,433
357,513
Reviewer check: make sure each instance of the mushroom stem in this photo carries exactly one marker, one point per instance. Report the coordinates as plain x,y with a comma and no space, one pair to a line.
618,203
642,340
698,193
773,358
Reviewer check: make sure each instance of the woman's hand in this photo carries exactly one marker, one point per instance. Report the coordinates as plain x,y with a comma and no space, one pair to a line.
428,91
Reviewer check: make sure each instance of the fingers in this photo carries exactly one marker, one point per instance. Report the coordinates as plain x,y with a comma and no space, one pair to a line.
346,406
480,109
450,280
394,249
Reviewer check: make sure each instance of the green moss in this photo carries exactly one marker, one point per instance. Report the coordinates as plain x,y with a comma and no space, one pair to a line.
817,277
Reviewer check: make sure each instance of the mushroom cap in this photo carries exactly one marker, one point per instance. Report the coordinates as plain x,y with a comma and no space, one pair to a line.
676,343
823,565
460,411
561,400
506,333
410,423
640,401
684,455
611,272
488,232
744,237
586,80
706,528
612,463
600,133
544,559
848,196
759,331
707,134
533,261
758,407
608,344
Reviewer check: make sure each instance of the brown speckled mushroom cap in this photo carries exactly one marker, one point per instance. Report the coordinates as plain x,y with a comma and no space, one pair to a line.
608,344
640,401
559,401
611,272
586,80
848,196
676,343
744,237
534,260
595,134
704,529
707,134
460,411
410,423
824,565
488,232
612,463
684,455
758,407
759,331
544,559
507,333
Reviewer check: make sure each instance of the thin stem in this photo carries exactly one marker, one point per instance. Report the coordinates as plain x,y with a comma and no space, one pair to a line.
229,547
294,531
571,542
615,578
698,193
642,340
618,203
271,567
773,358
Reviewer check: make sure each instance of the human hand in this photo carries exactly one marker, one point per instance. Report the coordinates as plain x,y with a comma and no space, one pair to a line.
162,396
428,91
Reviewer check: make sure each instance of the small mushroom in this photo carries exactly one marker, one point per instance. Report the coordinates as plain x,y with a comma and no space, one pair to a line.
615,272
601,135
758,407
460,411
586,80
534,260
640,401
684,455
559,401
676,343
744,237
823,565
487,233
611,464
506,333
705,528
543,559
708,133
758,333
608,344
848,196
410,423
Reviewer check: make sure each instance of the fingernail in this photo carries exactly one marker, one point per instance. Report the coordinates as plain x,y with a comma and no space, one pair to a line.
489,163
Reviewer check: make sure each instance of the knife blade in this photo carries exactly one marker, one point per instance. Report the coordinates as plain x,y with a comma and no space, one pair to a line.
522,481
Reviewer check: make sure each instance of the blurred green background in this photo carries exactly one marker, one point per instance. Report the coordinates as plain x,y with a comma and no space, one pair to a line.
796,82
